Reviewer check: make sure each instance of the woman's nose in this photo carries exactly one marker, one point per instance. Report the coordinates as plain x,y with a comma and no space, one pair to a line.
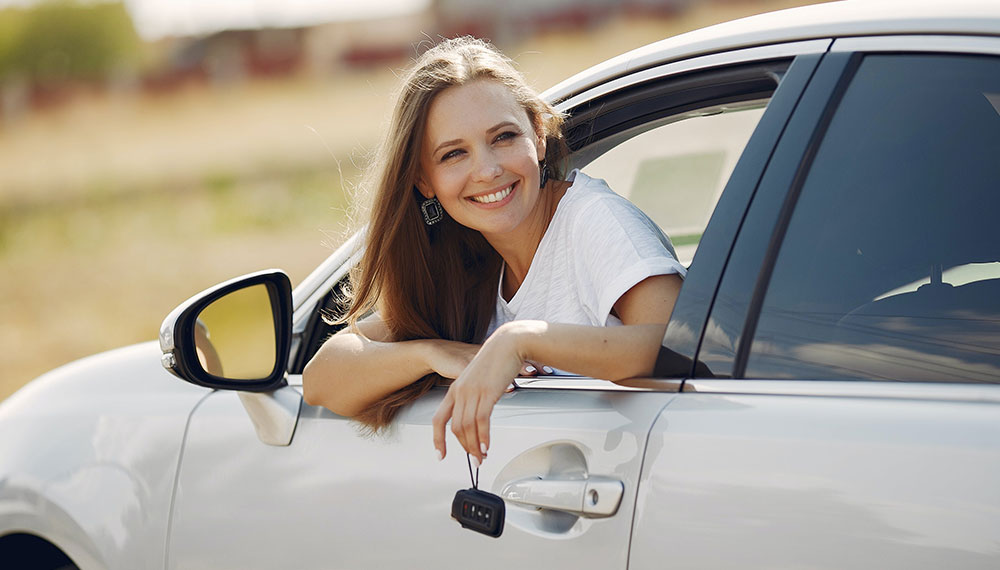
487,167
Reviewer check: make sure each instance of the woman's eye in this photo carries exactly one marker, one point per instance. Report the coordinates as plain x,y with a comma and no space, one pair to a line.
450,154
506,135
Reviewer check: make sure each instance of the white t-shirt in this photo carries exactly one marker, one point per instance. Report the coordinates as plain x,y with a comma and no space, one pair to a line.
597,246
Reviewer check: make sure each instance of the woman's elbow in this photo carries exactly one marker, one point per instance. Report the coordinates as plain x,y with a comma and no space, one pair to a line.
312,391
641,353
319,389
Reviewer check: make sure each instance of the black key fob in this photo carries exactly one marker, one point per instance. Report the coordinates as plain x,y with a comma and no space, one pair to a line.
479,511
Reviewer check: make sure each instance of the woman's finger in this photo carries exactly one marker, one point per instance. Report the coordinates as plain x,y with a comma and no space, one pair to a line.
444,412
528,369
472,429
483,412
467,432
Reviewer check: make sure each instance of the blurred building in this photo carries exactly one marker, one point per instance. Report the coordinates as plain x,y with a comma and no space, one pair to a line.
225,42
326,46
507,21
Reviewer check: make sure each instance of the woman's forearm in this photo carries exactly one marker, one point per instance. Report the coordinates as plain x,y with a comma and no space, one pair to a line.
351,372
610,353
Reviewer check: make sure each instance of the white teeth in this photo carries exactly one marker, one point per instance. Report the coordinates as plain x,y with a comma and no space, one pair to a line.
495,197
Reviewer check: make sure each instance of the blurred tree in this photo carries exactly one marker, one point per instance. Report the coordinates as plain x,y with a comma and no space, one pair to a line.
56,41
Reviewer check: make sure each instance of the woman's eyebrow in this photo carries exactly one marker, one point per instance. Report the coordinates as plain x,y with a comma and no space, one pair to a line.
494,128
501,125
446,144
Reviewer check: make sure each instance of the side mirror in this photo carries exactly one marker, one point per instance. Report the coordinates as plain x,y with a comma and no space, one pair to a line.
234,336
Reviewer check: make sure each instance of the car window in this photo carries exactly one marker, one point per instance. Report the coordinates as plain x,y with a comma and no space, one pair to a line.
890,265
675,172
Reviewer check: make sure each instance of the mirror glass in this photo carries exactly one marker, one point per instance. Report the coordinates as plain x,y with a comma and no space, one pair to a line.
234,335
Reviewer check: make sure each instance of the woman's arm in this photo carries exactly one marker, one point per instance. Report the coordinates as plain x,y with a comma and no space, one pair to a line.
352,371
611,353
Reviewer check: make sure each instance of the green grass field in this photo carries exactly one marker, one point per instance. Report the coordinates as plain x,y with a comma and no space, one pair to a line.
113,210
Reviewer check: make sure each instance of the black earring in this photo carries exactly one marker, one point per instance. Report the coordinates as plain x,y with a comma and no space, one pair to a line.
544,173
432,210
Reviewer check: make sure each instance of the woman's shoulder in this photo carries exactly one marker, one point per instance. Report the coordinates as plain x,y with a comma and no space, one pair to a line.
594,196
583,186
598,215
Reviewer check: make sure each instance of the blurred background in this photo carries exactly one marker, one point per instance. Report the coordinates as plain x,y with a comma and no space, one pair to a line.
152,148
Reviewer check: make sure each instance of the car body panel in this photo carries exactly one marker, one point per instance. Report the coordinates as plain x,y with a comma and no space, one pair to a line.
820,482
92,466
237,498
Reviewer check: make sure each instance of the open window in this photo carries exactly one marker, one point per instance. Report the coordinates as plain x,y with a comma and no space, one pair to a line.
671,146
675,172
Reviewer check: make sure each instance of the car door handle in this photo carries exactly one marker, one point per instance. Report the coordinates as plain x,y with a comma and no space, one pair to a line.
593,497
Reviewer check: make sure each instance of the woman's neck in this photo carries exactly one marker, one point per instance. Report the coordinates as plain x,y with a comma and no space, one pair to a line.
518,248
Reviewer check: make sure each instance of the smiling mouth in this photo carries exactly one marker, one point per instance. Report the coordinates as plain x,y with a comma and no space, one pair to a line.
494,197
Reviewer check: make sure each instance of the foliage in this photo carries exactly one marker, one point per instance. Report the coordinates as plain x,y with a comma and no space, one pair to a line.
60,40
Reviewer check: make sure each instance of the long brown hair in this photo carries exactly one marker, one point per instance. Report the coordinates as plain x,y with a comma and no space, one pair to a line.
435,281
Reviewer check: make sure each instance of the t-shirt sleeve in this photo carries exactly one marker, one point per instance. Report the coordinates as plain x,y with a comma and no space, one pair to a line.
616,246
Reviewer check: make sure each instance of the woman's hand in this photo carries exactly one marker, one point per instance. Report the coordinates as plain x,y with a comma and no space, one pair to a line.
473,394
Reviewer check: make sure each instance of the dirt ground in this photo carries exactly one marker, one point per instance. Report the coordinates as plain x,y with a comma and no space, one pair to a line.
115,209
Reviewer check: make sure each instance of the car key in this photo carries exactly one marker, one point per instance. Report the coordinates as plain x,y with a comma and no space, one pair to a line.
478,510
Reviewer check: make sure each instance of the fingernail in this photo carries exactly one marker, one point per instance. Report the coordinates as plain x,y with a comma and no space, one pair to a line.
440,456
475,462
548,369
530,369
482,447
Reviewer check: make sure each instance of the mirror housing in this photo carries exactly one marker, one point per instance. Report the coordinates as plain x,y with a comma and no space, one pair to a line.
183,334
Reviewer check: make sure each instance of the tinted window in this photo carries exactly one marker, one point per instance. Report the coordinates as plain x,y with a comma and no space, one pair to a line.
890,266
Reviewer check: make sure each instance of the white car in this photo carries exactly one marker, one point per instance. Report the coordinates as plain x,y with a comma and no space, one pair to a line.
827,395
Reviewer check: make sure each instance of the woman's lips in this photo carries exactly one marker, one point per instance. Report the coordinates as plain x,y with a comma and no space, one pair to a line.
495,199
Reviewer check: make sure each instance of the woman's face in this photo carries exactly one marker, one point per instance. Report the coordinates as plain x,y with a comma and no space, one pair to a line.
480,156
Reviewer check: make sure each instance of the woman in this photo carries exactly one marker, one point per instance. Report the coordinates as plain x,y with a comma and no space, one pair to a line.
481,262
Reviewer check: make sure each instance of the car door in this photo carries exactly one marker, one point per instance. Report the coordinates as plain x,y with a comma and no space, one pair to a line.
566,452
847,412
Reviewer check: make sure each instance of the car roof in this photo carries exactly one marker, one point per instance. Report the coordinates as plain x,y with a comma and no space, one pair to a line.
848,18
